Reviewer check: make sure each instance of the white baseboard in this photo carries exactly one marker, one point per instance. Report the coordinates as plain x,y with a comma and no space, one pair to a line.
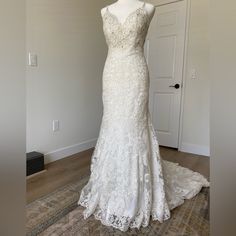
195,149
68,151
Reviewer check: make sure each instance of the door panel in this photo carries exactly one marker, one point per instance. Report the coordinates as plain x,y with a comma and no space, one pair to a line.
163,105
164,69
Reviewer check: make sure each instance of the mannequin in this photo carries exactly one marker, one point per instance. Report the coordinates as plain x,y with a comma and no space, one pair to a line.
123,8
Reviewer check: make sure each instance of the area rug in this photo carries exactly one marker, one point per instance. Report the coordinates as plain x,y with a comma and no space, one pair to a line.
58,214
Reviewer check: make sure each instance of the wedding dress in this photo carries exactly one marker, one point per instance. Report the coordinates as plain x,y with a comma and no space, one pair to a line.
129,182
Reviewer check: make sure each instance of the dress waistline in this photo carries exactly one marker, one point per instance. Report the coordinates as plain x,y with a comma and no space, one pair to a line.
120,53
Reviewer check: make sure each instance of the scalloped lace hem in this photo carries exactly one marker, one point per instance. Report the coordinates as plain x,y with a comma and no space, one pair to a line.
122,223
141,219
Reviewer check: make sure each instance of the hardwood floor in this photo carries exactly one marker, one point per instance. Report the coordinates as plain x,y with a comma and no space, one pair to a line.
71,168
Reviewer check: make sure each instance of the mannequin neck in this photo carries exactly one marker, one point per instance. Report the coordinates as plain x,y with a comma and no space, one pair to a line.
127,1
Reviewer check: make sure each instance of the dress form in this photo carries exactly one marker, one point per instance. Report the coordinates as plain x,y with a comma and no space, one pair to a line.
122,8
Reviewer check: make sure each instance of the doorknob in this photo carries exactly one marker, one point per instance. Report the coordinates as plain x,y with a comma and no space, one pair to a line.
177,86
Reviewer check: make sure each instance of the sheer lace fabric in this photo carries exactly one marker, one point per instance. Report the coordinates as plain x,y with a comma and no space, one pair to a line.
129,181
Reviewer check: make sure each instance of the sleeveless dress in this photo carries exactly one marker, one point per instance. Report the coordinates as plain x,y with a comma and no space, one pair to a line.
129,182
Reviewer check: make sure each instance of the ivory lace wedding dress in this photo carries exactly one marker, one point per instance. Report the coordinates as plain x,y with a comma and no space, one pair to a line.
129,181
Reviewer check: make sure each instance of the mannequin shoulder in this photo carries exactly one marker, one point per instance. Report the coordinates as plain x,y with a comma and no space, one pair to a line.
150,8
103,10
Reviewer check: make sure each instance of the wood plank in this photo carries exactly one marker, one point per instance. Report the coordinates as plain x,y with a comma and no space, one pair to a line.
69,169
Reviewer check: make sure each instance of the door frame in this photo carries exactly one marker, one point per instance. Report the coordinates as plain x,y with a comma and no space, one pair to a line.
158,3
184,74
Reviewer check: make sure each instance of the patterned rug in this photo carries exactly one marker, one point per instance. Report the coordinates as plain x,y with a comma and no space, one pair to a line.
58,214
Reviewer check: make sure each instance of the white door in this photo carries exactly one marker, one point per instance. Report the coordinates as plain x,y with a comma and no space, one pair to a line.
165,57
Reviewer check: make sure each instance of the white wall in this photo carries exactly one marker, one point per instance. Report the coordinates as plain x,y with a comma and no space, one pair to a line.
195,132
67,84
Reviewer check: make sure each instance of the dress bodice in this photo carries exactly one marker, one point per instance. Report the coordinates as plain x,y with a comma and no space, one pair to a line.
128,36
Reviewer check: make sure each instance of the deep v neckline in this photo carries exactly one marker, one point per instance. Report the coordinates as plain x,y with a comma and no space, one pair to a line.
129,15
